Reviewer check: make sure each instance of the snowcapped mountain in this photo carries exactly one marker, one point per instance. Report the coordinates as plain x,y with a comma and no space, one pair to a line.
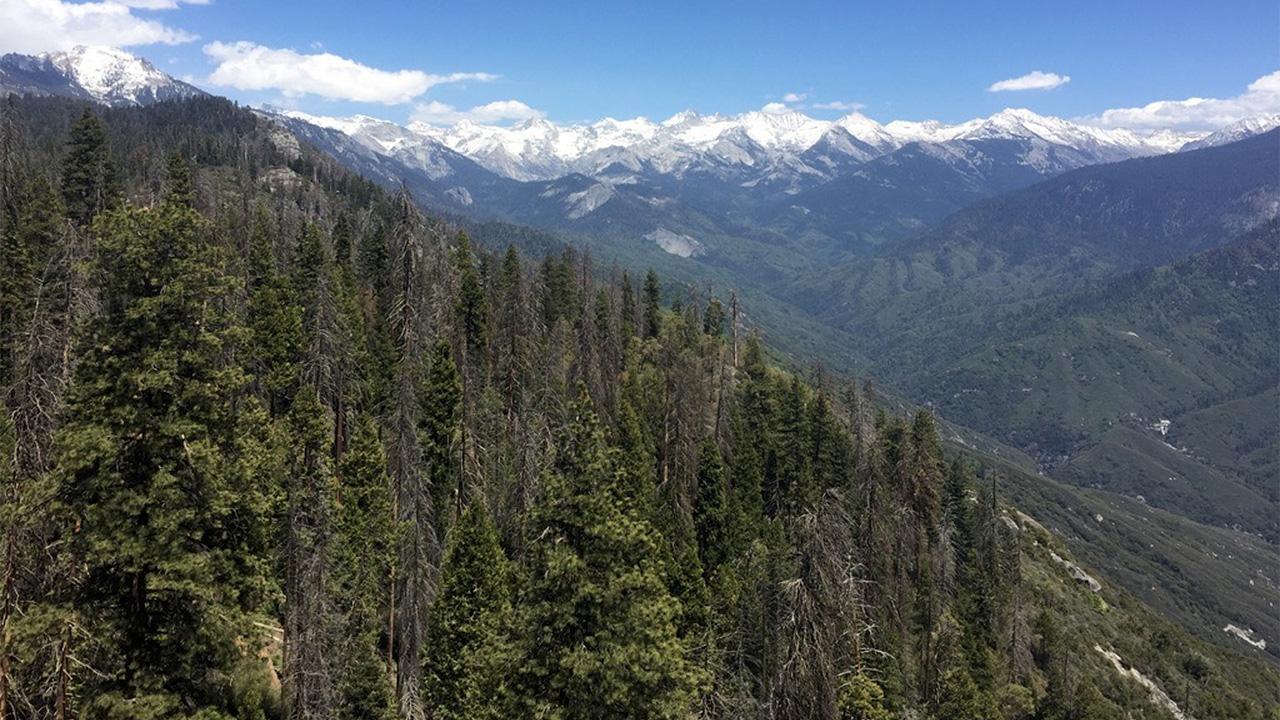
776,146
1236,131
95,73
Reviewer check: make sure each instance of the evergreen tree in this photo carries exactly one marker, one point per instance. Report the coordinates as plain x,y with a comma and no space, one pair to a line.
713,321
362,568
465,645
89,181
179,189
27,243
862,699
310,672
472,307
628,307
143,468
596,626
714,511
652,305
960,699
439,422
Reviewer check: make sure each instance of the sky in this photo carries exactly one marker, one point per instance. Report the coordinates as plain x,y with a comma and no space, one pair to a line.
1185,65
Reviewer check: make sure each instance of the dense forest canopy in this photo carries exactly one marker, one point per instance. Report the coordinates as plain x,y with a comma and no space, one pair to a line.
277,444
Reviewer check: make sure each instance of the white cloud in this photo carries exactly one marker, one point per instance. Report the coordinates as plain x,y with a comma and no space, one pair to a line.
839,105
1262,97
499,111
159,4
1034,80
794,97
249,66
774,108
31,26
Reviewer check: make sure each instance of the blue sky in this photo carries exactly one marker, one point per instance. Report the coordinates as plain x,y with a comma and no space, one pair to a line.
583,61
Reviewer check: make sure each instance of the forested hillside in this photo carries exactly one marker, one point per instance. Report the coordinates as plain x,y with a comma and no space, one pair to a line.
278,445
1068,319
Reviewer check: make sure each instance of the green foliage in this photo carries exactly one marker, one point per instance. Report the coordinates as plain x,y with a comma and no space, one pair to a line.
862,699
465,643
596,625
960,699
362,565
146,429
652,305
440,398
89,181
472,307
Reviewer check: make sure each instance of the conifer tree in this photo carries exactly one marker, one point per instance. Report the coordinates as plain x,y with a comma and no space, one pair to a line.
628,307
713,320
439,422
596,626
714,511
509,333
362,563
862,699
179,189
310,671
652,305
143,470
960,699
89,181
27,243
472,307
465,642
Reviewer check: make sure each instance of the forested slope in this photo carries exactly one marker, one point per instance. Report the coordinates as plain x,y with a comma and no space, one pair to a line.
278,445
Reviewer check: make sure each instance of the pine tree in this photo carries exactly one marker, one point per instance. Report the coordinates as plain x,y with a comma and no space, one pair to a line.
652,305
310,672
143,470
862,699
179,189
713,321
713,511
89,182
465,646
274,321
960,699
596,626
472,307
363,553
439,422
628,307
27,243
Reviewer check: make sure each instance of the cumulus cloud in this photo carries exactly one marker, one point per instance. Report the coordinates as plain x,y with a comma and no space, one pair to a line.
775,108
839,105
499,111
792,97
249,66
31,26
1261,97
1034,80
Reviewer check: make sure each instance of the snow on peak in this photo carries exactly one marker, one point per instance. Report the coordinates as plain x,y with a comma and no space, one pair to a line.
1236,131
114,76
